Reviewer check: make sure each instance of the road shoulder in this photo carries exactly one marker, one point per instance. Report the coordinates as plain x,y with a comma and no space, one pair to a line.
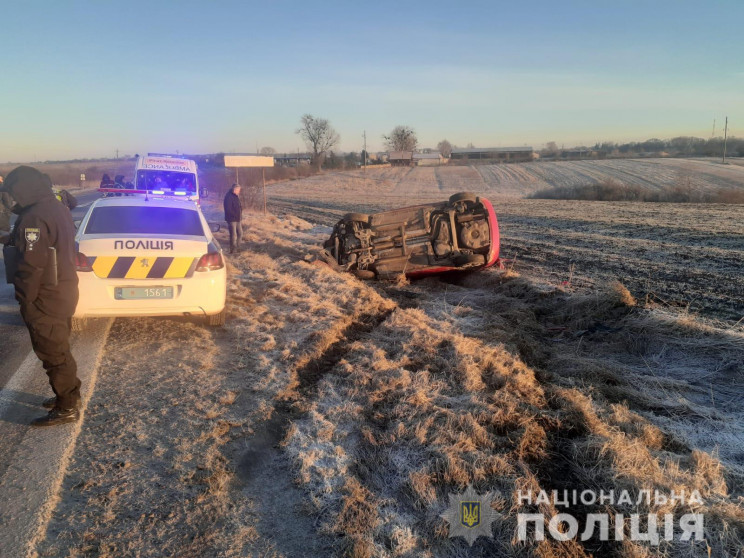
29,488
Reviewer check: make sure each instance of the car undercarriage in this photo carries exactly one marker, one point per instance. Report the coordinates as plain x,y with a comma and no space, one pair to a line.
459,234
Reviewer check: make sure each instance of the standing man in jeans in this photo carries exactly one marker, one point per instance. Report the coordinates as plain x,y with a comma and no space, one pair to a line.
233,216
42,249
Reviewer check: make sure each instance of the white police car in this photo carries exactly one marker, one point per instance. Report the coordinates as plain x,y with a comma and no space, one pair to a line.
147,256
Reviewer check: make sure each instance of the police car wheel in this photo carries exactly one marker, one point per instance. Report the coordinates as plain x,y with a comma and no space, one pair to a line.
78,324
216,320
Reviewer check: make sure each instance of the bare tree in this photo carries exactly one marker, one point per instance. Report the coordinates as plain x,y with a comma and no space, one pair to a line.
319,136
445,148
402,138
267,151
551,148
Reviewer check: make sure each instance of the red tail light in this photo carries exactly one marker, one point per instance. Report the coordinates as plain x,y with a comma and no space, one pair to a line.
82,263
210,262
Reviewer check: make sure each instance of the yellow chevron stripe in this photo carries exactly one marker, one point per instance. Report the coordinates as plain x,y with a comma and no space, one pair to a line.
178,268
139,271
103,264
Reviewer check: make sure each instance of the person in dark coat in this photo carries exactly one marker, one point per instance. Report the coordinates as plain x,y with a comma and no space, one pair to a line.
65,198
46,285
233,216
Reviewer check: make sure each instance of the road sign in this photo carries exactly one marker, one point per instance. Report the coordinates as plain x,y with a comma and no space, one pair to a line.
255,161
248,161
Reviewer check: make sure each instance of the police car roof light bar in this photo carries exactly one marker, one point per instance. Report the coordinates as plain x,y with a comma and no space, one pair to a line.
178,194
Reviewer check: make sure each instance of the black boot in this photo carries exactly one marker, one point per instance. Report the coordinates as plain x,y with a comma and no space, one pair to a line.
57,416
52,402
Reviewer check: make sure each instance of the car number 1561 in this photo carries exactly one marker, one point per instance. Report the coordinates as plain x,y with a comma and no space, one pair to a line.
129,293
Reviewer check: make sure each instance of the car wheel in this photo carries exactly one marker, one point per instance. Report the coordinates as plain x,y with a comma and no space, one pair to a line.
216,320
463,196
364,274
469,260
78,324
361,217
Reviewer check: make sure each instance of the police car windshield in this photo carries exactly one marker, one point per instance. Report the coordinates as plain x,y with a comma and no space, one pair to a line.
144,220
167,182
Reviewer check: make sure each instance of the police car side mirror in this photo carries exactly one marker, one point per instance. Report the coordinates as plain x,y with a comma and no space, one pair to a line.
77,223
203,193
214,227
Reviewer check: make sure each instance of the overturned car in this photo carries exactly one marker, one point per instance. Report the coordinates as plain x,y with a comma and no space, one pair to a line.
459,234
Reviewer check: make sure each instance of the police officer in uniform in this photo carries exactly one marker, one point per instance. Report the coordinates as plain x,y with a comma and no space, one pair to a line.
44,239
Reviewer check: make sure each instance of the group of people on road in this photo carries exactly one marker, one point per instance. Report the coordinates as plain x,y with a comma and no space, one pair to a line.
39,254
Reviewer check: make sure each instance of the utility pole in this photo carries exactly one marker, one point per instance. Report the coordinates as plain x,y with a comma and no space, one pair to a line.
263,183
725,134
364,153
714,129
117,153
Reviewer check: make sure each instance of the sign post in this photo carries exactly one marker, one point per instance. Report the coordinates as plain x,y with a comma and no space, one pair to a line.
253,161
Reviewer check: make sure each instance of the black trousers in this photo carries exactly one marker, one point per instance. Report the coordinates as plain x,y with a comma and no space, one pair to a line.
50,338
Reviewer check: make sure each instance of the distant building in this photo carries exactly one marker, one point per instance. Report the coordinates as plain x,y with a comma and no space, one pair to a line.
428,159
401,158
577,154
292,159
495,154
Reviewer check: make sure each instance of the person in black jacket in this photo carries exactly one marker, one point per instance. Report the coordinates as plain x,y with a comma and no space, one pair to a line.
233,216
65,198
46,285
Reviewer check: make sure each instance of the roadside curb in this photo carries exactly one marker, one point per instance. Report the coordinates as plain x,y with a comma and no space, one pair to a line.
29,488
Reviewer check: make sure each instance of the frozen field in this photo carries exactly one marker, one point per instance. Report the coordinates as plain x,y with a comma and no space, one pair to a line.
521,180
684,255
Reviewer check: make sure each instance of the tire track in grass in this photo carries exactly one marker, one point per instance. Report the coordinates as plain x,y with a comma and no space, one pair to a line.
262,468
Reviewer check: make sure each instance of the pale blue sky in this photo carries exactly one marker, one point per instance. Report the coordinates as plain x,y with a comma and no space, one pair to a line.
84,78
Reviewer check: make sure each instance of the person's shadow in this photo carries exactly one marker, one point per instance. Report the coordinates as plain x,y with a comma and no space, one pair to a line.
18,407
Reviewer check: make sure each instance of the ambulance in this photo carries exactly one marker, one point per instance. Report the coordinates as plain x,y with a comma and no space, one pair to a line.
165,176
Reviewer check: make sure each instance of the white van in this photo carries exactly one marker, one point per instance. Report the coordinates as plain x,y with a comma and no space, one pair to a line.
167,176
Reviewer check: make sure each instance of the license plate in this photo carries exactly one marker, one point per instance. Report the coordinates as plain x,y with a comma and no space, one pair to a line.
139,293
